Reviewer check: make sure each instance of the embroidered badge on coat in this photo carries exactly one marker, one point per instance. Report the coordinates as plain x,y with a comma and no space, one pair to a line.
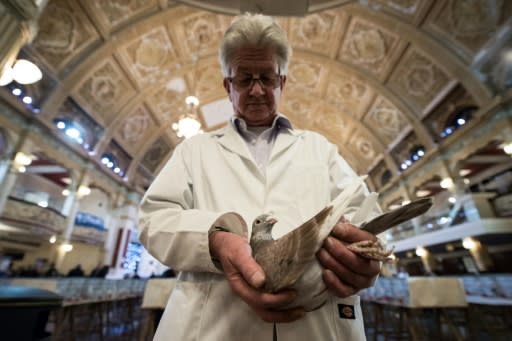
346,311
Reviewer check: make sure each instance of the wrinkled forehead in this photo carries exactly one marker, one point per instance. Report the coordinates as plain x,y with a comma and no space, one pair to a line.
254,60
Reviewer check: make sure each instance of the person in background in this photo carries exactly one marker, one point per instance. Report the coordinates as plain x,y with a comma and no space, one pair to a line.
258,163
77,271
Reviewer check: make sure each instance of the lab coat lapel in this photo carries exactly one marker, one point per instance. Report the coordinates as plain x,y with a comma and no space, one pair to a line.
232,141
284,140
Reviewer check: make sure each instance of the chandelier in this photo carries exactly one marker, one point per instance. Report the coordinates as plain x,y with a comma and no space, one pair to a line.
188,124
22,71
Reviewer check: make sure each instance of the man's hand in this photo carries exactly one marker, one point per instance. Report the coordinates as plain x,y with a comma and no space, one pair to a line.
245,276
346,272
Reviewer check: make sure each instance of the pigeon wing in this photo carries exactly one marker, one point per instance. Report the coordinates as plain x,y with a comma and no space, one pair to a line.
398,216
285,259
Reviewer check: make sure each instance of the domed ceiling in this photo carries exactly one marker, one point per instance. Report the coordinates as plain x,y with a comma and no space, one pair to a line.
376,77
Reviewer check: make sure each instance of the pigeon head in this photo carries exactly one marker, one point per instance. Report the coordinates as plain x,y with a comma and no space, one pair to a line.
262,227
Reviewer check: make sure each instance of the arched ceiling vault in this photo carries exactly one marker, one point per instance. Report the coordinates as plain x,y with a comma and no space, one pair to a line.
365,78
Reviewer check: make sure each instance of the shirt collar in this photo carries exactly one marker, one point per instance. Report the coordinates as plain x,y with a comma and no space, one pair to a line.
280,121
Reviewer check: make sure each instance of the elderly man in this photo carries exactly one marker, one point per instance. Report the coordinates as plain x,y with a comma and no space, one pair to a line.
257,163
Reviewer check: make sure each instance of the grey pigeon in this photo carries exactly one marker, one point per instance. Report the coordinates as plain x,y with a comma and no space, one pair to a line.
285,260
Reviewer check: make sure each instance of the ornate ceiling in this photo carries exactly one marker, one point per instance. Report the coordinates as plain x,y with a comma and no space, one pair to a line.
375,79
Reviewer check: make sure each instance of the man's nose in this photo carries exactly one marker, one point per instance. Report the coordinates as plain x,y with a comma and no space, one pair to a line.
256,88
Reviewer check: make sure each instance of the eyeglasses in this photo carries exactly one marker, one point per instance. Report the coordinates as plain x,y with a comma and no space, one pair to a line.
246,81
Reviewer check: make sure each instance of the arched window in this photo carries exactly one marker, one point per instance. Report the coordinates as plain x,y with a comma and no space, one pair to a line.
457,119
385,177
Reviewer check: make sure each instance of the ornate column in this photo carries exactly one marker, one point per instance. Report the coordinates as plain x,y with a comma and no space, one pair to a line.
18,24
13,167
126,225
73,203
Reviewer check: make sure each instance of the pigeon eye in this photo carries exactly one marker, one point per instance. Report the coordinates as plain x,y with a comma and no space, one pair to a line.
258,221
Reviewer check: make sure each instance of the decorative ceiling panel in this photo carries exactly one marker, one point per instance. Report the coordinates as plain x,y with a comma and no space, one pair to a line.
418,80
468,23
156,153
369,46
104,90
306,75
197,34
64,32
333,122
151,56
350,93
113,13
363,146
300,109
206,79
135,129
386,120
168,102
320,32
408,10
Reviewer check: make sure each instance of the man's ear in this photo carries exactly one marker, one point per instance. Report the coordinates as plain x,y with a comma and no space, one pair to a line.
226,86
283,81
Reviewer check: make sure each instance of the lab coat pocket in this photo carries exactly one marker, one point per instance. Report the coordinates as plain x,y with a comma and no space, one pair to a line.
348,318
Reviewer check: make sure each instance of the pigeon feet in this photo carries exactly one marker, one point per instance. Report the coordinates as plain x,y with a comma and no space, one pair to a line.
371,250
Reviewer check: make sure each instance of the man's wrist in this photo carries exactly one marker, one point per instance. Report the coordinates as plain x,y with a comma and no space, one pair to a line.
214,257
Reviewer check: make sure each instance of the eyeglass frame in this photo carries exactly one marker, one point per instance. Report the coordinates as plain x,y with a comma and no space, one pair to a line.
254,80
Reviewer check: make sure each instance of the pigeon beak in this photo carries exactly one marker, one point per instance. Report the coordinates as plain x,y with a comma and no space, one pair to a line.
272,221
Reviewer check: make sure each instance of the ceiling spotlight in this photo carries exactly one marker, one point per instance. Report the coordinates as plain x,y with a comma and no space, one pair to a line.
446,183
421,251
507,148
469,243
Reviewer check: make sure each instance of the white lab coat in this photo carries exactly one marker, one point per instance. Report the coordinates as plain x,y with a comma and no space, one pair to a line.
214,173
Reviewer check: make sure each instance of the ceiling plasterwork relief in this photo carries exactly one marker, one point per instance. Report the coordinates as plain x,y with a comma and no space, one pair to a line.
197,34
207,81
167,103
320,32
364,148
418,80
349,92
300,109
104,90
408,10
115,12
333,123
151,57
306,75
385,120
156,153
64,32
135,129
470,23
369,46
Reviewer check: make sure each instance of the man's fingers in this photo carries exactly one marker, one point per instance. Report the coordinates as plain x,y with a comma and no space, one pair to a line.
351,260
339,288
342,271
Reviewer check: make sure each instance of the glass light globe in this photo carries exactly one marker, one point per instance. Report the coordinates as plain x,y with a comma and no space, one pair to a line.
25,72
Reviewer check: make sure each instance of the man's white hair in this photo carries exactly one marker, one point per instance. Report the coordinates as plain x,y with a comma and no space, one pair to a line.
256,31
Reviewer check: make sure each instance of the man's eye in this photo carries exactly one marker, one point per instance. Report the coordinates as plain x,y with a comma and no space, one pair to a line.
244,80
